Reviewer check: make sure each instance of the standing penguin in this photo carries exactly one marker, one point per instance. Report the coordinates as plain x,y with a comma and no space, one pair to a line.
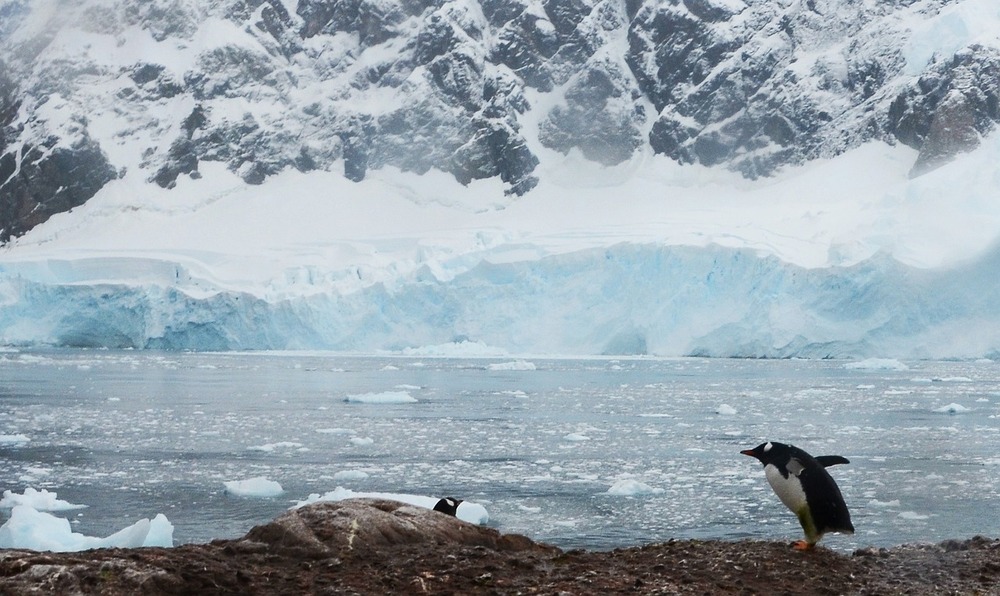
804,486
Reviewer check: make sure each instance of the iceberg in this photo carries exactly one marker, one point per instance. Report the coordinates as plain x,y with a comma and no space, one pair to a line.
36,530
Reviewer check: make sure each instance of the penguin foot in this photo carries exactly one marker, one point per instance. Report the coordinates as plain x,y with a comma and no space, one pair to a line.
803,545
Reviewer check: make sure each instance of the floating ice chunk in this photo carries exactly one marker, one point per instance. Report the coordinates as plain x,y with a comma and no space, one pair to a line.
161,532
32,473
576,437
39,500
270,447
470,512
913,515
13,440
877,364
258,487
334,431
350,475
36,530
514,365
362,441
385,397
726,410
461,349
887,504
631,488
952,409
515,393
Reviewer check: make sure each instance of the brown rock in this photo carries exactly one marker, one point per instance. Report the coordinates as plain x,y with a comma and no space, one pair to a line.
366,525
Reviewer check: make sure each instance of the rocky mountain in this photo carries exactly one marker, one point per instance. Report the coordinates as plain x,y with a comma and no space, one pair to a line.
95,90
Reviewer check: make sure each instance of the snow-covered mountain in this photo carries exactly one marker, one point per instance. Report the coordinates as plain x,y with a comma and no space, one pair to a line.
722,177
95,89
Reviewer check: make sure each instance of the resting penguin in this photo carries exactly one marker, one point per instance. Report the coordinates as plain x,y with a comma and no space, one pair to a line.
448,505
804,486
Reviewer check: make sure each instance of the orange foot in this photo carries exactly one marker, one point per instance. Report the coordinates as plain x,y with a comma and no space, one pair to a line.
802,545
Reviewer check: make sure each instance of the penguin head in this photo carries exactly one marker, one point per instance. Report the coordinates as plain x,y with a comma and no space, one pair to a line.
770,452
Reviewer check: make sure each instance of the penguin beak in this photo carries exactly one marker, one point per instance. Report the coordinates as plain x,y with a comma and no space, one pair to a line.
750,453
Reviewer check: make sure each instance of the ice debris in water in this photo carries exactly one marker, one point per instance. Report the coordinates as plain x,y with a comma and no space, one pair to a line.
258,487
632,488
877,364
40,500
952,408
36,530
385,397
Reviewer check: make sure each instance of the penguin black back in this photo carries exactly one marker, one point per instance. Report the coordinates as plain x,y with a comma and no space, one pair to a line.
448,505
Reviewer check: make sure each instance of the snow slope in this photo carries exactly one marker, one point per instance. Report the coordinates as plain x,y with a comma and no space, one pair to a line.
845,257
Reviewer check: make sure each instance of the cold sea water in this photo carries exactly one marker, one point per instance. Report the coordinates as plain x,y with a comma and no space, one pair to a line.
593,453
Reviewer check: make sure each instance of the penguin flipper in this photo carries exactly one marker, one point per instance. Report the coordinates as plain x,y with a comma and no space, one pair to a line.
831,460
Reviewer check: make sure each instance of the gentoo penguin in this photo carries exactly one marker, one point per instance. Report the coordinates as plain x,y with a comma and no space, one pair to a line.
804,486
448,505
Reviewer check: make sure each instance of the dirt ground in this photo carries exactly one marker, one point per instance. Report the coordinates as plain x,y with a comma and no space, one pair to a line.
329,550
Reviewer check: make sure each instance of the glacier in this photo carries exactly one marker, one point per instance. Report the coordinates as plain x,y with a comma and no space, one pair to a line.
846,258
625,299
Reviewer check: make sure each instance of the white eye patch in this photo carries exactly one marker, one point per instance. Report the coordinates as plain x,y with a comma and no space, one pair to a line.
767,446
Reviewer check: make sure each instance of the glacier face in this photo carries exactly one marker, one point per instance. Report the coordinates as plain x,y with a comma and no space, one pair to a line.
93,90
624,299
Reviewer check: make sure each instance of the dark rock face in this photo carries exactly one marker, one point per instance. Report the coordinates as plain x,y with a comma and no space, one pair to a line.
40,181
477,89
949,108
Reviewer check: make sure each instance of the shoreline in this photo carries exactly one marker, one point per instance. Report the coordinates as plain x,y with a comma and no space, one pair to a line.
369,546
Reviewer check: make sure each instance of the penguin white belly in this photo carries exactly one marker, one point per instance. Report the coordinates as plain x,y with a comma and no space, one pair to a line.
789,490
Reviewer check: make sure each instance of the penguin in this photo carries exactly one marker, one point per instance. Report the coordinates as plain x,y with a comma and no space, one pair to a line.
804,486
448,505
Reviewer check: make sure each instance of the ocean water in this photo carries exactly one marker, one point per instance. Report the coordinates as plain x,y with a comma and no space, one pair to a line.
539,442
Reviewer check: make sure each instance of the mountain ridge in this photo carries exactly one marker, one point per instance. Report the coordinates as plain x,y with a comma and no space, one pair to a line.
99,89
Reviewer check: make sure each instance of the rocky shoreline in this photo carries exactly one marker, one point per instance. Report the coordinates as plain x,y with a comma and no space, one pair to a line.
366,546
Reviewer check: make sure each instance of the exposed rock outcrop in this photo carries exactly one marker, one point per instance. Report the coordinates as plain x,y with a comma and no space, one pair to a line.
366,526
949,108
